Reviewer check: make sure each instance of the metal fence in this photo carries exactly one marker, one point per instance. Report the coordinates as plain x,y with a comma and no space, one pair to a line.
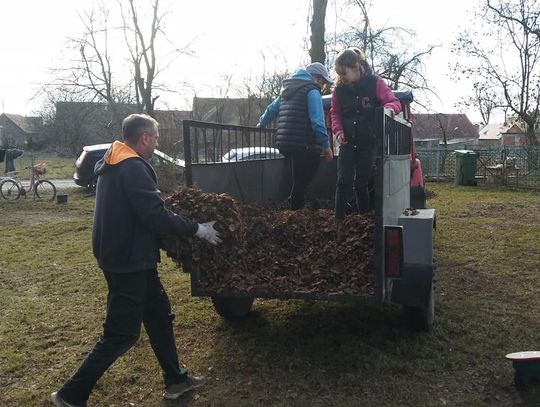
207,143
212,142
511,166
397,135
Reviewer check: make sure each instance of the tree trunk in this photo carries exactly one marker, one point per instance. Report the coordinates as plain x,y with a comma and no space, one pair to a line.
531,136
317,31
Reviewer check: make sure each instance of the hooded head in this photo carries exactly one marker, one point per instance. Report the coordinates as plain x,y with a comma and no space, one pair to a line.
319,73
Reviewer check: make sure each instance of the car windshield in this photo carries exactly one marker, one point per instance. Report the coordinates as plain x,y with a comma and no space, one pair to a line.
230,156
251,153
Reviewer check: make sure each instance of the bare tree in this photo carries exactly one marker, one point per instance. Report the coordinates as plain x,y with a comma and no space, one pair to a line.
317,52
70,121
256,93
143,54
506,11
270,84
91,75
405,69
504,52
484,99
213,109
401,66
95,74
224,90
442,123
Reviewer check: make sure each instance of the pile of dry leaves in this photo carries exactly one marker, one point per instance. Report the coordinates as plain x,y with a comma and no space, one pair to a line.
272,250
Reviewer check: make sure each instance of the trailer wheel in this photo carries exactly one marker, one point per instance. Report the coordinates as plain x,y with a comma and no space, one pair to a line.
232,307
421,319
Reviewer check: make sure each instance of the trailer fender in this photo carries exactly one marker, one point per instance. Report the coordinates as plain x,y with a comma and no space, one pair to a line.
413,289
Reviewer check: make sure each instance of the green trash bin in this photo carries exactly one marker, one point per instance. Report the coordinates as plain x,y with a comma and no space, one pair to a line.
465,167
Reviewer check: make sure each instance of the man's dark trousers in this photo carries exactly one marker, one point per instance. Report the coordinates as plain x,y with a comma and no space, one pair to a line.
133,298
304,167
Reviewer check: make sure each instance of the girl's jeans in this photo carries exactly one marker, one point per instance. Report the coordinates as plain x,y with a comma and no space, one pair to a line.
355,165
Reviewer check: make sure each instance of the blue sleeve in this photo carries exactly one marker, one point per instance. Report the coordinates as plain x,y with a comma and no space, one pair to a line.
270,113
316,115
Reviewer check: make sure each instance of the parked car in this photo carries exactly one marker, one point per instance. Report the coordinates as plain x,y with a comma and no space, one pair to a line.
84,166
251,153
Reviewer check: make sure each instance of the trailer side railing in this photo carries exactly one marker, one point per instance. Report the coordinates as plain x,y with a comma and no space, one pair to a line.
206,143
393,152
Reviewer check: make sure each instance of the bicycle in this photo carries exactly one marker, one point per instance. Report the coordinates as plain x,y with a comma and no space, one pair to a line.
12,188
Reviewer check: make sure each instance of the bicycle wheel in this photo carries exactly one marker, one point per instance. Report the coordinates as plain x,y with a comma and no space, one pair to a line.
10,190
45,190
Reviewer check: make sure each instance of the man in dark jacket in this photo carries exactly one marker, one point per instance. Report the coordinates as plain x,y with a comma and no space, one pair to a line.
129,214
10,156
301,129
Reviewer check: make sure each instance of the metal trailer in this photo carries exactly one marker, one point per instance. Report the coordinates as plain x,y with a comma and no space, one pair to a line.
403,267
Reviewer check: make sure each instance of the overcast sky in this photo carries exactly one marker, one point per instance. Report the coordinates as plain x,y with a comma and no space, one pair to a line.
233,37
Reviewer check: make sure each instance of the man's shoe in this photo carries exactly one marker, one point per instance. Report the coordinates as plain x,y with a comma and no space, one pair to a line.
174,391
60,402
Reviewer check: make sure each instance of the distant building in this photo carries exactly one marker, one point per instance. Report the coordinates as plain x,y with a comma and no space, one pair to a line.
514,136
238,111
515,120
427,143
171,129
518,121
431,130
497,135
491,135
85,123
19,131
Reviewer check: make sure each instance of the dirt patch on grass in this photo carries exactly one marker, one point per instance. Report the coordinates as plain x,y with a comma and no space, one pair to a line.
519,211
38,218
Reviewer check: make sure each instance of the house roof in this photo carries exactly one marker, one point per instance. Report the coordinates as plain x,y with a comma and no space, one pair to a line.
27,124
436,125
243,111
492,131
496,131
171,119
167,119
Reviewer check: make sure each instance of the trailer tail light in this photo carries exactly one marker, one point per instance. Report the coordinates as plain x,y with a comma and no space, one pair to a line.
393,251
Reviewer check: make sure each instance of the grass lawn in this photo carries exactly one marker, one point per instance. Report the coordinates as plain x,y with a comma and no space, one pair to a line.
57,167
287,353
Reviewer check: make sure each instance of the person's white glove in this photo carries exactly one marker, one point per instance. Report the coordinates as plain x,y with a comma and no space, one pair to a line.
207,232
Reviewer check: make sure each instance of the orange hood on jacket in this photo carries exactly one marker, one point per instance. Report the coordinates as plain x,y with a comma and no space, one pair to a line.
119,152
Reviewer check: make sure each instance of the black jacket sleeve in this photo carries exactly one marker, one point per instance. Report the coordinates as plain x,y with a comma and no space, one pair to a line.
139,182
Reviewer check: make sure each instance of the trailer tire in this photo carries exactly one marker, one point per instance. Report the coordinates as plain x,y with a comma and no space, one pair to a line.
232,308
421,319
